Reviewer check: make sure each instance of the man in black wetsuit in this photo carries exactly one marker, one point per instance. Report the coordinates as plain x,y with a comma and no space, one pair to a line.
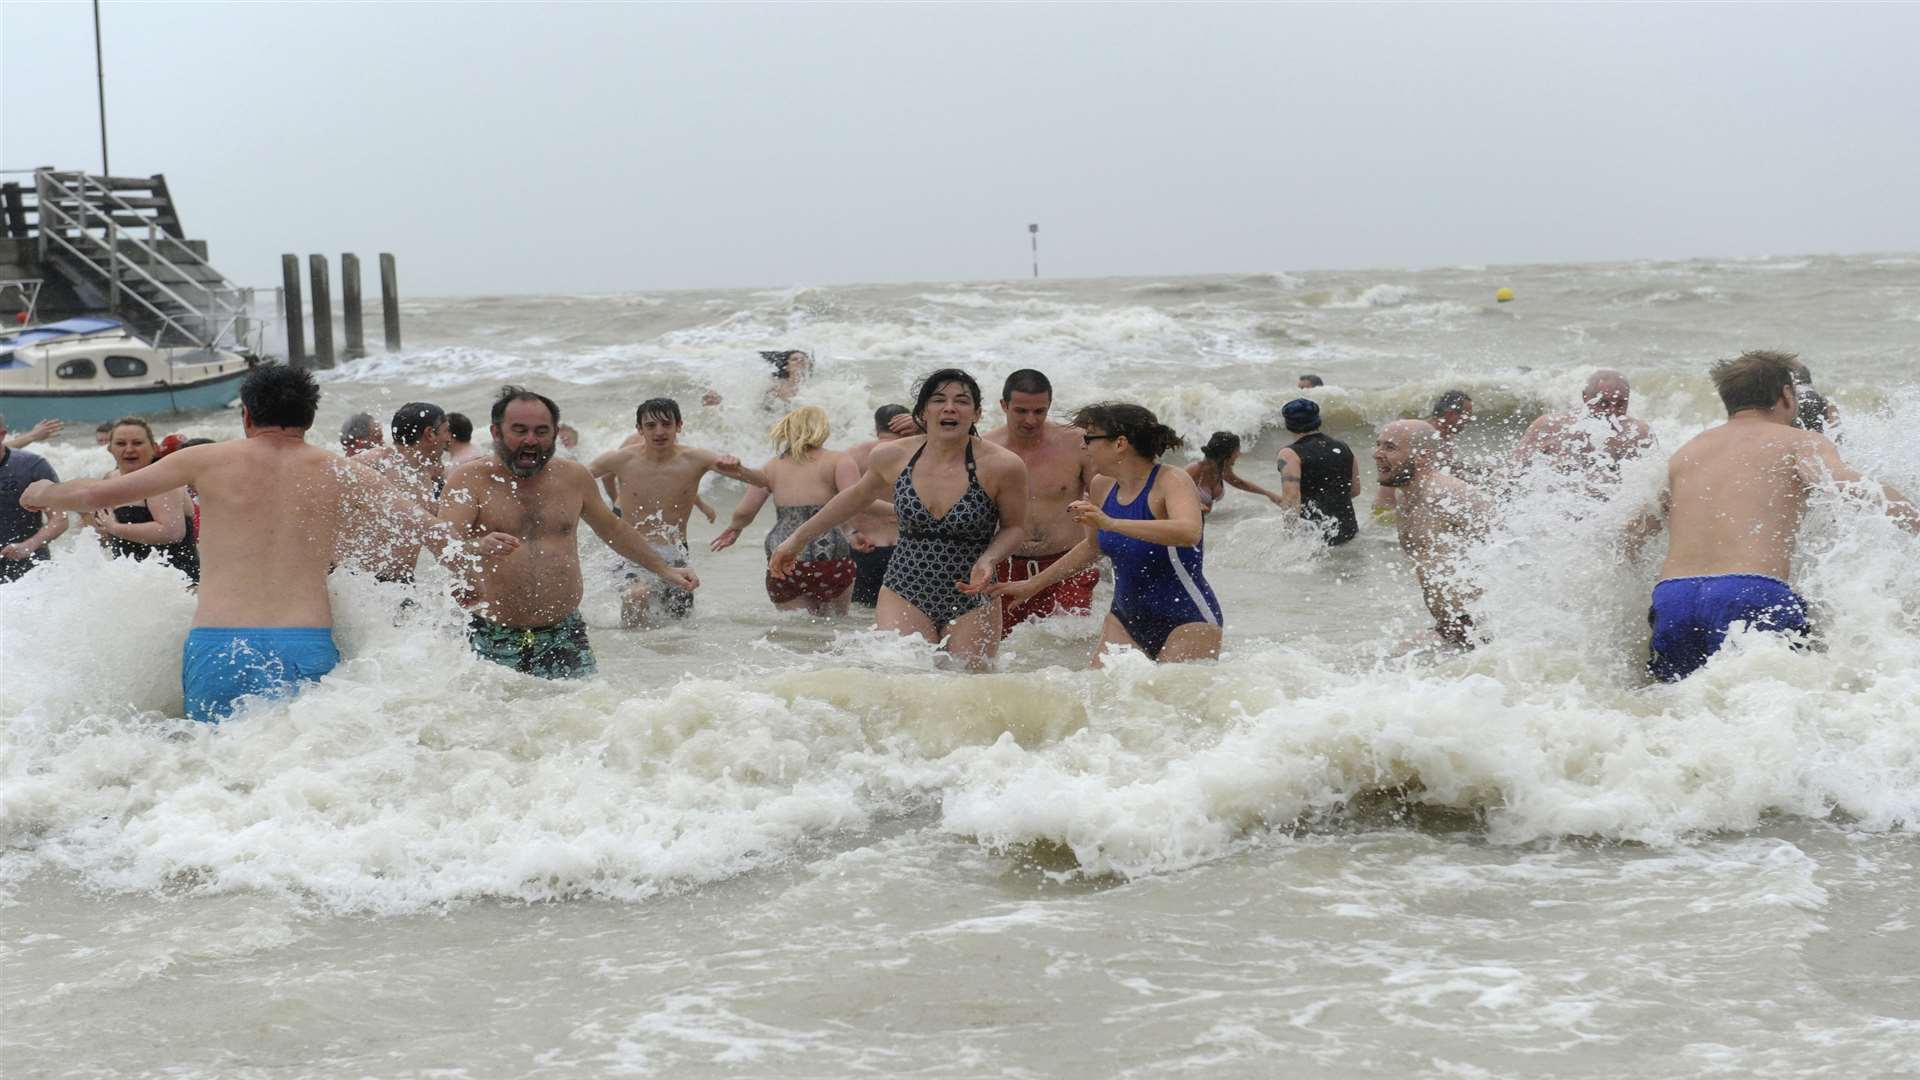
1318,473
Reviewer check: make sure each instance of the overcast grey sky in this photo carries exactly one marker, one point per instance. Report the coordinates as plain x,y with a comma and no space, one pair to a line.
572,147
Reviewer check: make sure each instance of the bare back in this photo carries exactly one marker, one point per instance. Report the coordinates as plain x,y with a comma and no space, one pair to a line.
273,513
881,528
811,482
1737,493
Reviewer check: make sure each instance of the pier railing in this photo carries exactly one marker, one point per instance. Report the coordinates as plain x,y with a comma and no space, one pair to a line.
130,244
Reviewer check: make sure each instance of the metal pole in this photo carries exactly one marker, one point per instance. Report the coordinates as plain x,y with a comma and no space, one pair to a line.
1034,231
100,74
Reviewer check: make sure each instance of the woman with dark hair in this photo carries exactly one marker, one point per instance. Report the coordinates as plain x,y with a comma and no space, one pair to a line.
163,523
962,506
1146,519
1214,471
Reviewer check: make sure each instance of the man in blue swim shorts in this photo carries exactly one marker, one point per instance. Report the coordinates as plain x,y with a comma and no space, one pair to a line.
274,510
1735,497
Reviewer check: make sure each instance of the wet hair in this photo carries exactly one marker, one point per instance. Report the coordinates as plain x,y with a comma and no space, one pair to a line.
510,394
276,395
1813,408
105,426
1148,436
141,423
782,360
460,427
200,441
1025,381
883,417
932,383
360,427
1221,447
414,419
1802,374
1312,381
1451,401
660,408
1753,380
799,433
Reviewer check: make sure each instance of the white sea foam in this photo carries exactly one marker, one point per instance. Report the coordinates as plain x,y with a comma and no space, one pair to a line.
416,775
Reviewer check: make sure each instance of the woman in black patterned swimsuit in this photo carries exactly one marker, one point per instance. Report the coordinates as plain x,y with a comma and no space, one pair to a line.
962,505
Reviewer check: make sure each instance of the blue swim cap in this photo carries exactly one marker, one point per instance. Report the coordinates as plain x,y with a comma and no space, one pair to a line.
1301,415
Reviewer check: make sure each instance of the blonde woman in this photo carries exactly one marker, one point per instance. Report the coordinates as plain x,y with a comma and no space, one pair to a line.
803,477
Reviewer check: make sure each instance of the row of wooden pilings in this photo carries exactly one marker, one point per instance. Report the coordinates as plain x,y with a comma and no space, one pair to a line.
356,345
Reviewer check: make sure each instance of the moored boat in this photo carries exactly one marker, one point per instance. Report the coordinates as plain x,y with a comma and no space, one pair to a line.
96,369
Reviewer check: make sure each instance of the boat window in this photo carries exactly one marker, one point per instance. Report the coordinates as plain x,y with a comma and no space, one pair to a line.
125,367
75,369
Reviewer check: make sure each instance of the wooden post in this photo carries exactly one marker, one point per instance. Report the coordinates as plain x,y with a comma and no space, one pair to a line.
296,330
390,301
322,311
350,305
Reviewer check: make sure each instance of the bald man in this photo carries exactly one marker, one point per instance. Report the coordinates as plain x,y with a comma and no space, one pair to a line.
1595,443
1438,517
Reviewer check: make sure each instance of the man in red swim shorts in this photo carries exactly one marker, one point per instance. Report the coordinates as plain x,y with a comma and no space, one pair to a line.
1056,476
1073,596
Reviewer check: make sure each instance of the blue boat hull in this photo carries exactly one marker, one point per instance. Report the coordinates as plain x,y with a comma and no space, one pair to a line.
25,408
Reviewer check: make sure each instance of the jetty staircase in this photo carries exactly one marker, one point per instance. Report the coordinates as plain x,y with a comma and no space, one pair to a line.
114,244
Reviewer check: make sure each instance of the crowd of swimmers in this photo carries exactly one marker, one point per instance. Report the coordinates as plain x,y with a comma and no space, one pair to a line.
950,534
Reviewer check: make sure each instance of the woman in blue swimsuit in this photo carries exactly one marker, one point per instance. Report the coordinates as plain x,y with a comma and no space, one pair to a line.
1146,518
962,505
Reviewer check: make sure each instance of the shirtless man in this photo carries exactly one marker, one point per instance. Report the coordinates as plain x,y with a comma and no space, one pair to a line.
274,512
460,448
416,464
1439,515
1594,445
874,531
1057,475
360,433
1733,505
528,616
1450,414
656,485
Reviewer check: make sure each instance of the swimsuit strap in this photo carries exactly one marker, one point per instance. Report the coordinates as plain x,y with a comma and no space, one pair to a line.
915,459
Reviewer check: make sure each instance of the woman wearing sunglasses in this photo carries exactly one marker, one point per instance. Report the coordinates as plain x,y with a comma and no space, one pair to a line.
1146,519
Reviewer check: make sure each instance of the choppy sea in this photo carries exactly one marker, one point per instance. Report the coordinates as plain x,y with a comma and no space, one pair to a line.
759,844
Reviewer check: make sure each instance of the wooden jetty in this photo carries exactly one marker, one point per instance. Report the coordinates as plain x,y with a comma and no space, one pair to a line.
74,244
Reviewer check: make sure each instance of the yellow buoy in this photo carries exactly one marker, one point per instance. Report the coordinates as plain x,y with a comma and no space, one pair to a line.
1503,295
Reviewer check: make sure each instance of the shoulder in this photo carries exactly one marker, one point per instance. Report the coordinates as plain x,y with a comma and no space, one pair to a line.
612,459
474,473
1099,486
571,472
1064,435
892,456
989,454
1172,476
1548,422
699,456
